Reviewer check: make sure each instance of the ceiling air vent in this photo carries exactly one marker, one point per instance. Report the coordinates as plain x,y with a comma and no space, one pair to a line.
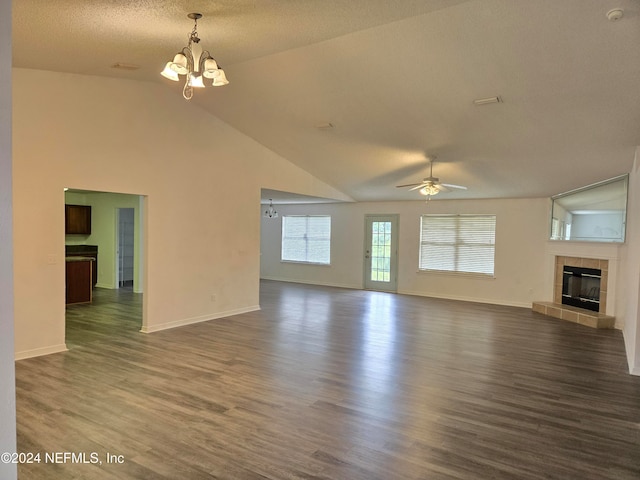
486,101
125,66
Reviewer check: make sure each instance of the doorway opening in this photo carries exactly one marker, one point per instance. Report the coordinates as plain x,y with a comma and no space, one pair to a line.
114,237
126,244
381,253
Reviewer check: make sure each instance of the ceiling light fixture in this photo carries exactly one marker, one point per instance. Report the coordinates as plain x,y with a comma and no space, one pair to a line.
429,190
615,14
270,212
195,63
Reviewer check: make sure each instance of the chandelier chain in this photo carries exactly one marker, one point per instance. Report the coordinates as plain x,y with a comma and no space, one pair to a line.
193,37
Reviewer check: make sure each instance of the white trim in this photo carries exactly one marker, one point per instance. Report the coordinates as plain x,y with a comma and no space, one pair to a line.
593,250
302,262
467,299
373,285
628,348
38,352
199,319
313,282
453,273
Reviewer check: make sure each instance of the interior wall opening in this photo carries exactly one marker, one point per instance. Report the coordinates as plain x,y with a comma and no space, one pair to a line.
103,265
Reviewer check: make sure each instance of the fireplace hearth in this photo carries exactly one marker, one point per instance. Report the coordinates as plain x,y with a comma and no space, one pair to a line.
579,292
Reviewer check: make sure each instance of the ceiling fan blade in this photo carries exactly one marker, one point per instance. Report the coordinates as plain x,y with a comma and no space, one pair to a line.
448,185
420,185
409,185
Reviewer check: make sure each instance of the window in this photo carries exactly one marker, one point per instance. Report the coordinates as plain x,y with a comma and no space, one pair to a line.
306,239
458,243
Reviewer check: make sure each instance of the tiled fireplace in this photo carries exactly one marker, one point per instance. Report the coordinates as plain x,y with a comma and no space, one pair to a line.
588,264
580,289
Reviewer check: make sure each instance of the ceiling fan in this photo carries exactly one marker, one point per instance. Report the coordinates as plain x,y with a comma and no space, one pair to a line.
431,185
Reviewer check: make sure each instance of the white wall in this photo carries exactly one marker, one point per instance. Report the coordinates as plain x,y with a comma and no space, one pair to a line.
201,180
522,244
7,367
606,227
521,234
629,293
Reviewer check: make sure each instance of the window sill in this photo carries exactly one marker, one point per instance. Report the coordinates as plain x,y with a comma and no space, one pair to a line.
295,262
482,276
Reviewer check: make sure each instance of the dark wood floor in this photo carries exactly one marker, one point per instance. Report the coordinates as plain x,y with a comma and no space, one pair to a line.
326,383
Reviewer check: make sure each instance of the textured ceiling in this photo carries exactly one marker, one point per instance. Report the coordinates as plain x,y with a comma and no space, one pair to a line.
396,79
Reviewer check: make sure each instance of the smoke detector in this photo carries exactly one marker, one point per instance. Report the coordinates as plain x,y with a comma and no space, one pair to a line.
615,14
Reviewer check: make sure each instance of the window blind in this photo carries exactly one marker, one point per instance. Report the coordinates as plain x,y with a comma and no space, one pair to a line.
458,243
306,238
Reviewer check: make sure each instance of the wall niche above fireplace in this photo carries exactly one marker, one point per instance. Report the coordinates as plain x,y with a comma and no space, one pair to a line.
596,213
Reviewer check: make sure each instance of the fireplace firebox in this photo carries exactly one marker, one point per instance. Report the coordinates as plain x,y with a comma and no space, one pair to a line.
581,287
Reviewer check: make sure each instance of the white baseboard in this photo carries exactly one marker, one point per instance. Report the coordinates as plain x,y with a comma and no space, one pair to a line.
633,369
467,299
199,319
406,292
38,352
313,282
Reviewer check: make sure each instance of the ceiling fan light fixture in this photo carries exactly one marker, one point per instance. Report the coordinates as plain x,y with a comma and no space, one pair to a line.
429,190
431,185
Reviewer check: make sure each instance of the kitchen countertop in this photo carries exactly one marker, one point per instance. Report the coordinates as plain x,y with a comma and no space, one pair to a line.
78,259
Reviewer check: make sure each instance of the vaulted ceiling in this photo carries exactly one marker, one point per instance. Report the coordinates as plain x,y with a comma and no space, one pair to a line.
396,80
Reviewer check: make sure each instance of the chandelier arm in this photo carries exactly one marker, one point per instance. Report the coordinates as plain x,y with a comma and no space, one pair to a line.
187,52
187,91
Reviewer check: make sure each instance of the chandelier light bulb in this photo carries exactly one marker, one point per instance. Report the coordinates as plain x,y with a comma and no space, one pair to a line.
220,79
195,81
169,73
180,64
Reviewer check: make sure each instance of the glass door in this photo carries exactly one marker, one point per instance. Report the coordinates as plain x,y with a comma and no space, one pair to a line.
381,253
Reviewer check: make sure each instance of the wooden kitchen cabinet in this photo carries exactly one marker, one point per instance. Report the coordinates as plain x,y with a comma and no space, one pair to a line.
78,280
90,251
77,219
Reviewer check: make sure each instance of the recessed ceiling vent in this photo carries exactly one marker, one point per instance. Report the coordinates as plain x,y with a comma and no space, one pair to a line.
125,66
486,101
